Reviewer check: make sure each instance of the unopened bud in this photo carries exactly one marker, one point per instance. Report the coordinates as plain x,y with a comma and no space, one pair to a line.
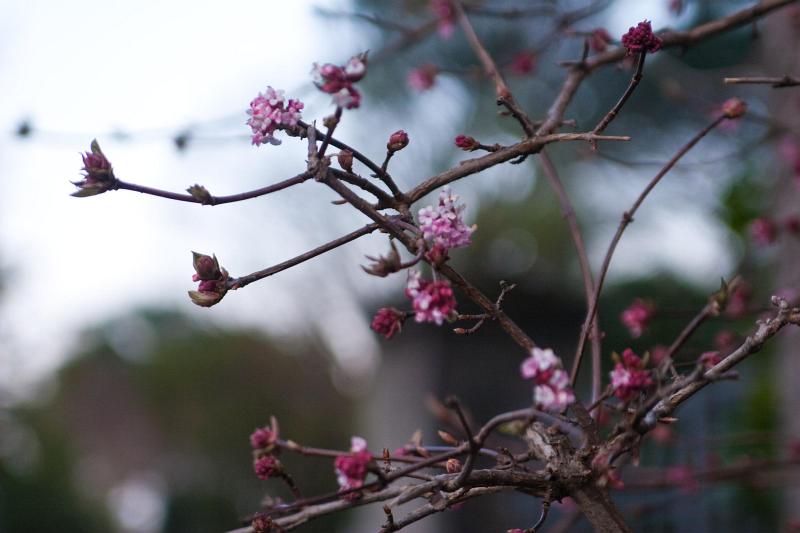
200,194
384,265
98,174
345,158
467,143
213,280
453,466
397,141
734,108
205,266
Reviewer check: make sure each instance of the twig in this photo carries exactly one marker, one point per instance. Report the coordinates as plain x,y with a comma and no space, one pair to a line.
627,218
635,79
215,200
776,82
238,283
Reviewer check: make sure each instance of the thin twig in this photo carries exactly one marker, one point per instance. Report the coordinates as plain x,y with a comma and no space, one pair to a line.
627,218
776,82
635,79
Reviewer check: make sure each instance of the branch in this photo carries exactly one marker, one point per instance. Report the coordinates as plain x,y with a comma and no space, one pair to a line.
214,200
776,82
635,79
627,218
238,283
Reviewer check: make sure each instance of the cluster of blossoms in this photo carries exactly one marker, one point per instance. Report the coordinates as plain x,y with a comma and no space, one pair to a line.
641,39
213,280
338,80
265,464
637,316
552,389
433,301
423,77
270,111
388,321
98,174
442,225
445,17
351,469
629,377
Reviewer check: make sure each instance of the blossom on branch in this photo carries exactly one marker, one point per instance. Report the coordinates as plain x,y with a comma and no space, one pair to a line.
443,224
552,390
599,40
629,377
98,174
267,466
351,469
270,111
388,321
338,80
641,39
397,141
433,301
637,316
523,63
467,143
213,280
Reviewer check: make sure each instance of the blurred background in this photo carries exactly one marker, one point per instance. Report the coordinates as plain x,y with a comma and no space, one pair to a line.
124,408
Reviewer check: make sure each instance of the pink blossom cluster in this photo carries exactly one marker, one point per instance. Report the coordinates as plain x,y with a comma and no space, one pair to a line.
629,377
388,321
213,280
423,77
351,469
443,224
338,80
270,111
637,316
266,466
765,231
433,301
445,17
552,389
263,438
641,39
98,174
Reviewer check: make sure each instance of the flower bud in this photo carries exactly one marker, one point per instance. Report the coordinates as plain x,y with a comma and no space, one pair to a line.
467,143
453,466
345,158
98,174
382,266
734,108
388,321
205,266
213,280
397,141
201,194
267,466
262,523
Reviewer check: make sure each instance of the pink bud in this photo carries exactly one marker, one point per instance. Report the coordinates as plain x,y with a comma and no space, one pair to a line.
734,108
467,143
397,141
345,158
599,40
388,321
453,466
266,467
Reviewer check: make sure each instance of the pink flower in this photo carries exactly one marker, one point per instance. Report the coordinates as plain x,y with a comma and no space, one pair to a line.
523,63
764,231
467,143
552,390
599,40
263,438
266,467
641,39
351,469
423,77
637,316
443,224
629,378
445,16
270,111
388,321
338,80
433,301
